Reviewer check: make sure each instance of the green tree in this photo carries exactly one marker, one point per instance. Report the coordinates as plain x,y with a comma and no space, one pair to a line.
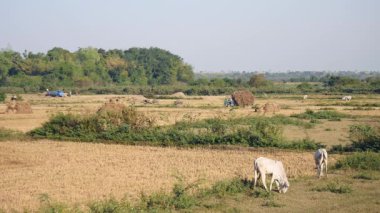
117,68
5,65
258,81
304,86
160,66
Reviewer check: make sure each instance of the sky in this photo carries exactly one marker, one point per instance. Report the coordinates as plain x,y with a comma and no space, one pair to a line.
211,35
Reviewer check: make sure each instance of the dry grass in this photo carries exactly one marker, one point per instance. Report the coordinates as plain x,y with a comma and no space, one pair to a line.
164,112
81,172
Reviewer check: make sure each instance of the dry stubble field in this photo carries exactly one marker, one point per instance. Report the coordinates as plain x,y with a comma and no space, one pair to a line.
81,172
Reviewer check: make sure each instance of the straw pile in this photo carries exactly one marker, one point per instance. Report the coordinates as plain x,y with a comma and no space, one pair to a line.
271,107
178,95
19,107
243,98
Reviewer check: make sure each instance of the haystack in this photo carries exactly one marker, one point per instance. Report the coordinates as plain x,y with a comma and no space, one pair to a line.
19,107
178,95
271,107
243,98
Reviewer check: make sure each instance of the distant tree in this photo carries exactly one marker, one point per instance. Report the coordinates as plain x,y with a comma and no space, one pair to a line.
305,86
137,74
160,66
258,80
5,65
117,68
336,81
59,54
218,82
185,73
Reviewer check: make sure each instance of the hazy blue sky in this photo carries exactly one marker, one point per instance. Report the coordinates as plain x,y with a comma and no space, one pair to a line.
211,35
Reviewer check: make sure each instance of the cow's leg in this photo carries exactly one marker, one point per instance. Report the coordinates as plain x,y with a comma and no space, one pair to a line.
271,183
320,168
321,172
255,178
278,185
263,180
326,166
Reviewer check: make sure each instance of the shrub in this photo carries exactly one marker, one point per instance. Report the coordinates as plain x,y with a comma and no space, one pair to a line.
222,188
305,144
110,206
46,205
180,198
3,96
364,160
131,127
363,137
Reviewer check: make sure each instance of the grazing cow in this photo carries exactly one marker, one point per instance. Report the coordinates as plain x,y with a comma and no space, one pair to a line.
305,97
320,158
263,166
347,98
271,107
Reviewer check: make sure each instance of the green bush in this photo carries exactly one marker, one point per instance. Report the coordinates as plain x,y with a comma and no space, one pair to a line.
363,137
110,206
3,96
131,127
360,160
230,187
180,198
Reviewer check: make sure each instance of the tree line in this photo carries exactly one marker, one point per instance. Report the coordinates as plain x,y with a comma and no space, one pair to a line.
157,71
92,67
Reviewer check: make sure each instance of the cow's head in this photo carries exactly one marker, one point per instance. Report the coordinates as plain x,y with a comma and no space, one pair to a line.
284,187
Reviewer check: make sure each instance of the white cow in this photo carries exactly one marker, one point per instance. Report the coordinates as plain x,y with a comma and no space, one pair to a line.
347,98
305,97
263,166
320,157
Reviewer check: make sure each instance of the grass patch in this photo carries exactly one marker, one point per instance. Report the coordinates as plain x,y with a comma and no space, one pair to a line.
334,187
362,108
366,176
183,197
360,160
323,114
8,134
272,203
351,103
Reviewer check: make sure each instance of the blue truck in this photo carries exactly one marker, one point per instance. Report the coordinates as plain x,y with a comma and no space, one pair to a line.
57,93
